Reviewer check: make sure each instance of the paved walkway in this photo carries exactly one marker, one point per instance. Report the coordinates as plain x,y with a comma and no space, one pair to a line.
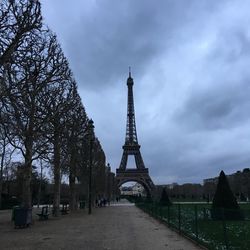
117,227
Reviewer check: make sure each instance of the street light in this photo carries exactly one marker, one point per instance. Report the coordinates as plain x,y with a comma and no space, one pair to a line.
91,139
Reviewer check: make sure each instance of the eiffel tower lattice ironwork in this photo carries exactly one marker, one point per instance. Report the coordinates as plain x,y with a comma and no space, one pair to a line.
131,147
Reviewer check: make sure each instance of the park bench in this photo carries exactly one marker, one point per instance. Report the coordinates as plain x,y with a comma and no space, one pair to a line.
65,209
44,215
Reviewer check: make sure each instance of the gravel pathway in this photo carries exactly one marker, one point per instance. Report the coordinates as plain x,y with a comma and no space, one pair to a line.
120,226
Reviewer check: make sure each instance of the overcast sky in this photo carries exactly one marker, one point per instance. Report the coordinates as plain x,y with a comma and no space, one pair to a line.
191,68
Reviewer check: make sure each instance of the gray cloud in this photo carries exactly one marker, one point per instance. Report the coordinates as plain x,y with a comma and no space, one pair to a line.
190,62
221,107
114,35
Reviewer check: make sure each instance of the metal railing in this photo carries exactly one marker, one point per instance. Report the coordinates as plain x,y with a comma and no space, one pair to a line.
196,222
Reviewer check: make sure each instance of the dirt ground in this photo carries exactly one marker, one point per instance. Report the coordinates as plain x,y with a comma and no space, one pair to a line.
120,226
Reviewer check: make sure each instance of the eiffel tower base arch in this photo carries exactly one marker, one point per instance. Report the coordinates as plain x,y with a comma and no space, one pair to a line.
140,176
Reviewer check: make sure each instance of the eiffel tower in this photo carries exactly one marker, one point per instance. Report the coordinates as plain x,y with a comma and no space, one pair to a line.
131,147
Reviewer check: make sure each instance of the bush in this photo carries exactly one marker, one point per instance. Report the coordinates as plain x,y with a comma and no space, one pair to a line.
164,200
225,205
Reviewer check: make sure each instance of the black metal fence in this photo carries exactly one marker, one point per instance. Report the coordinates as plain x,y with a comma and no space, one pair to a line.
196,222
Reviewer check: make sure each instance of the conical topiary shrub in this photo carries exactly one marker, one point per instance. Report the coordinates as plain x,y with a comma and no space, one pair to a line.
164,200
225,205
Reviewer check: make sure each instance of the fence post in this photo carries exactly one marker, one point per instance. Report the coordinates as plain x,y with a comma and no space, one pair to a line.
179,217
224,228
168,215
196,221
161,212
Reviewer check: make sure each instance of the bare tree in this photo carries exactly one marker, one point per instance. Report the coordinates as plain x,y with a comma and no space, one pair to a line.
99,164
6,150
39,96
58,99
76,129
37,68
17,20
98,167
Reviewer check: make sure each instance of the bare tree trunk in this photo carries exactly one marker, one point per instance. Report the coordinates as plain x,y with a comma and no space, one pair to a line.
11,48
57,176
26,192
1,188
72,186
40,186
72,176
1,173
27,171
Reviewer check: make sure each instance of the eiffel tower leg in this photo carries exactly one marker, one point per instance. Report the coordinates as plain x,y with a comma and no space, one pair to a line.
124,160
138,160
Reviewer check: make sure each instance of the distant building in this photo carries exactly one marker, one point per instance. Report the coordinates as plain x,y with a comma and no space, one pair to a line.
171,186
135,190
138,189
188,191
126,191
239,183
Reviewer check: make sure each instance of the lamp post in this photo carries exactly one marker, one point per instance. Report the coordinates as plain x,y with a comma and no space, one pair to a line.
91,139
